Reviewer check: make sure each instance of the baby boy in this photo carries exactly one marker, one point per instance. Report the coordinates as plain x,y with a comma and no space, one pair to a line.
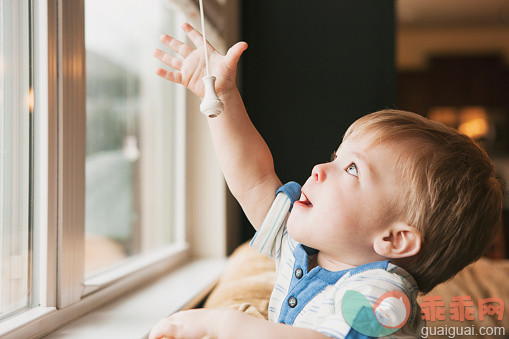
404,204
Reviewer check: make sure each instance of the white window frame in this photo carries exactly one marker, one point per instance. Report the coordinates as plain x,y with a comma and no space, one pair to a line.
59,286
71,157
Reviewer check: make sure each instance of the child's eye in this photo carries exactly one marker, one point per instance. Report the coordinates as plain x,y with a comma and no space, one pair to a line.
352,169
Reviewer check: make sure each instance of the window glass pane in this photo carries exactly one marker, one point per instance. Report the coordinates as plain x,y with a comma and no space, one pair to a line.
14,156
130,146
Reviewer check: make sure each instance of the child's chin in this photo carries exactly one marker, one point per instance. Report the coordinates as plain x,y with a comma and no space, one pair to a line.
293,230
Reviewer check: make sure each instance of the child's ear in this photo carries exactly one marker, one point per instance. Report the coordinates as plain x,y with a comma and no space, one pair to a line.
398,241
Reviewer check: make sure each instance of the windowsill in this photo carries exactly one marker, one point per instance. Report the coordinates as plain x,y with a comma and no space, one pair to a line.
133,316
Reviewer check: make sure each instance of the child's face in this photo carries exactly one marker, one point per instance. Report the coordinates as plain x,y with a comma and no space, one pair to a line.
347,202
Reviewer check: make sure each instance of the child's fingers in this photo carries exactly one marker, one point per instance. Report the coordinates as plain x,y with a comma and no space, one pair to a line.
169,75
195,36
164,330
176,45
169,60
234,53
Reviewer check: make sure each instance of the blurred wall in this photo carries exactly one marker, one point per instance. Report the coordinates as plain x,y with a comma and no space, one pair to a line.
311,69
415,45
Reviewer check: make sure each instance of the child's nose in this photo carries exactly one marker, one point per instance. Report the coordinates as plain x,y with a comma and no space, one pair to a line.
318,173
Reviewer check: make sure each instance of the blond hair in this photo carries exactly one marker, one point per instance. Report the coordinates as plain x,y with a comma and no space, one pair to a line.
449,191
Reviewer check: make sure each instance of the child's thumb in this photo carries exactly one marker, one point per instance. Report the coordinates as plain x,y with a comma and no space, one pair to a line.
234,53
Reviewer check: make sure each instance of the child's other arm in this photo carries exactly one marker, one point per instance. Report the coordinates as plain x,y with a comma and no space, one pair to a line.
226,324
243,155
236,325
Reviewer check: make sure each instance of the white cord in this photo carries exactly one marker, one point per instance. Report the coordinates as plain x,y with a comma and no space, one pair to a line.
211,105
204,37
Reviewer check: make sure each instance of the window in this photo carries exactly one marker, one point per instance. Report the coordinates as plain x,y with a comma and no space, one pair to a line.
93,159
15,109
93,162
130,177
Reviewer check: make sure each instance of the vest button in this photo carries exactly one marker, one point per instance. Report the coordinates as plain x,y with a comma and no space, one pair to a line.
292,302
299,273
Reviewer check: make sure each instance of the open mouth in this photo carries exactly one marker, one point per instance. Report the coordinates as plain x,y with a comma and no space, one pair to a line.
304,200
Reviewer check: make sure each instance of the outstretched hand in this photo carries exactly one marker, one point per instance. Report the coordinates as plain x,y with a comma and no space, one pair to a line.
189,68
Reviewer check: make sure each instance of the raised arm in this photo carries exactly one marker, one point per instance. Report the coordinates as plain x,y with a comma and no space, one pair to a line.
243,155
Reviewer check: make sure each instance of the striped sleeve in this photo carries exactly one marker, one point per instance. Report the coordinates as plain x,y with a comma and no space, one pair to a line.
372,286
268,239
335,325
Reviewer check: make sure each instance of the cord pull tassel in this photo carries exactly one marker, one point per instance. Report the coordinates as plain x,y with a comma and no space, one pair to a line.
211,106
